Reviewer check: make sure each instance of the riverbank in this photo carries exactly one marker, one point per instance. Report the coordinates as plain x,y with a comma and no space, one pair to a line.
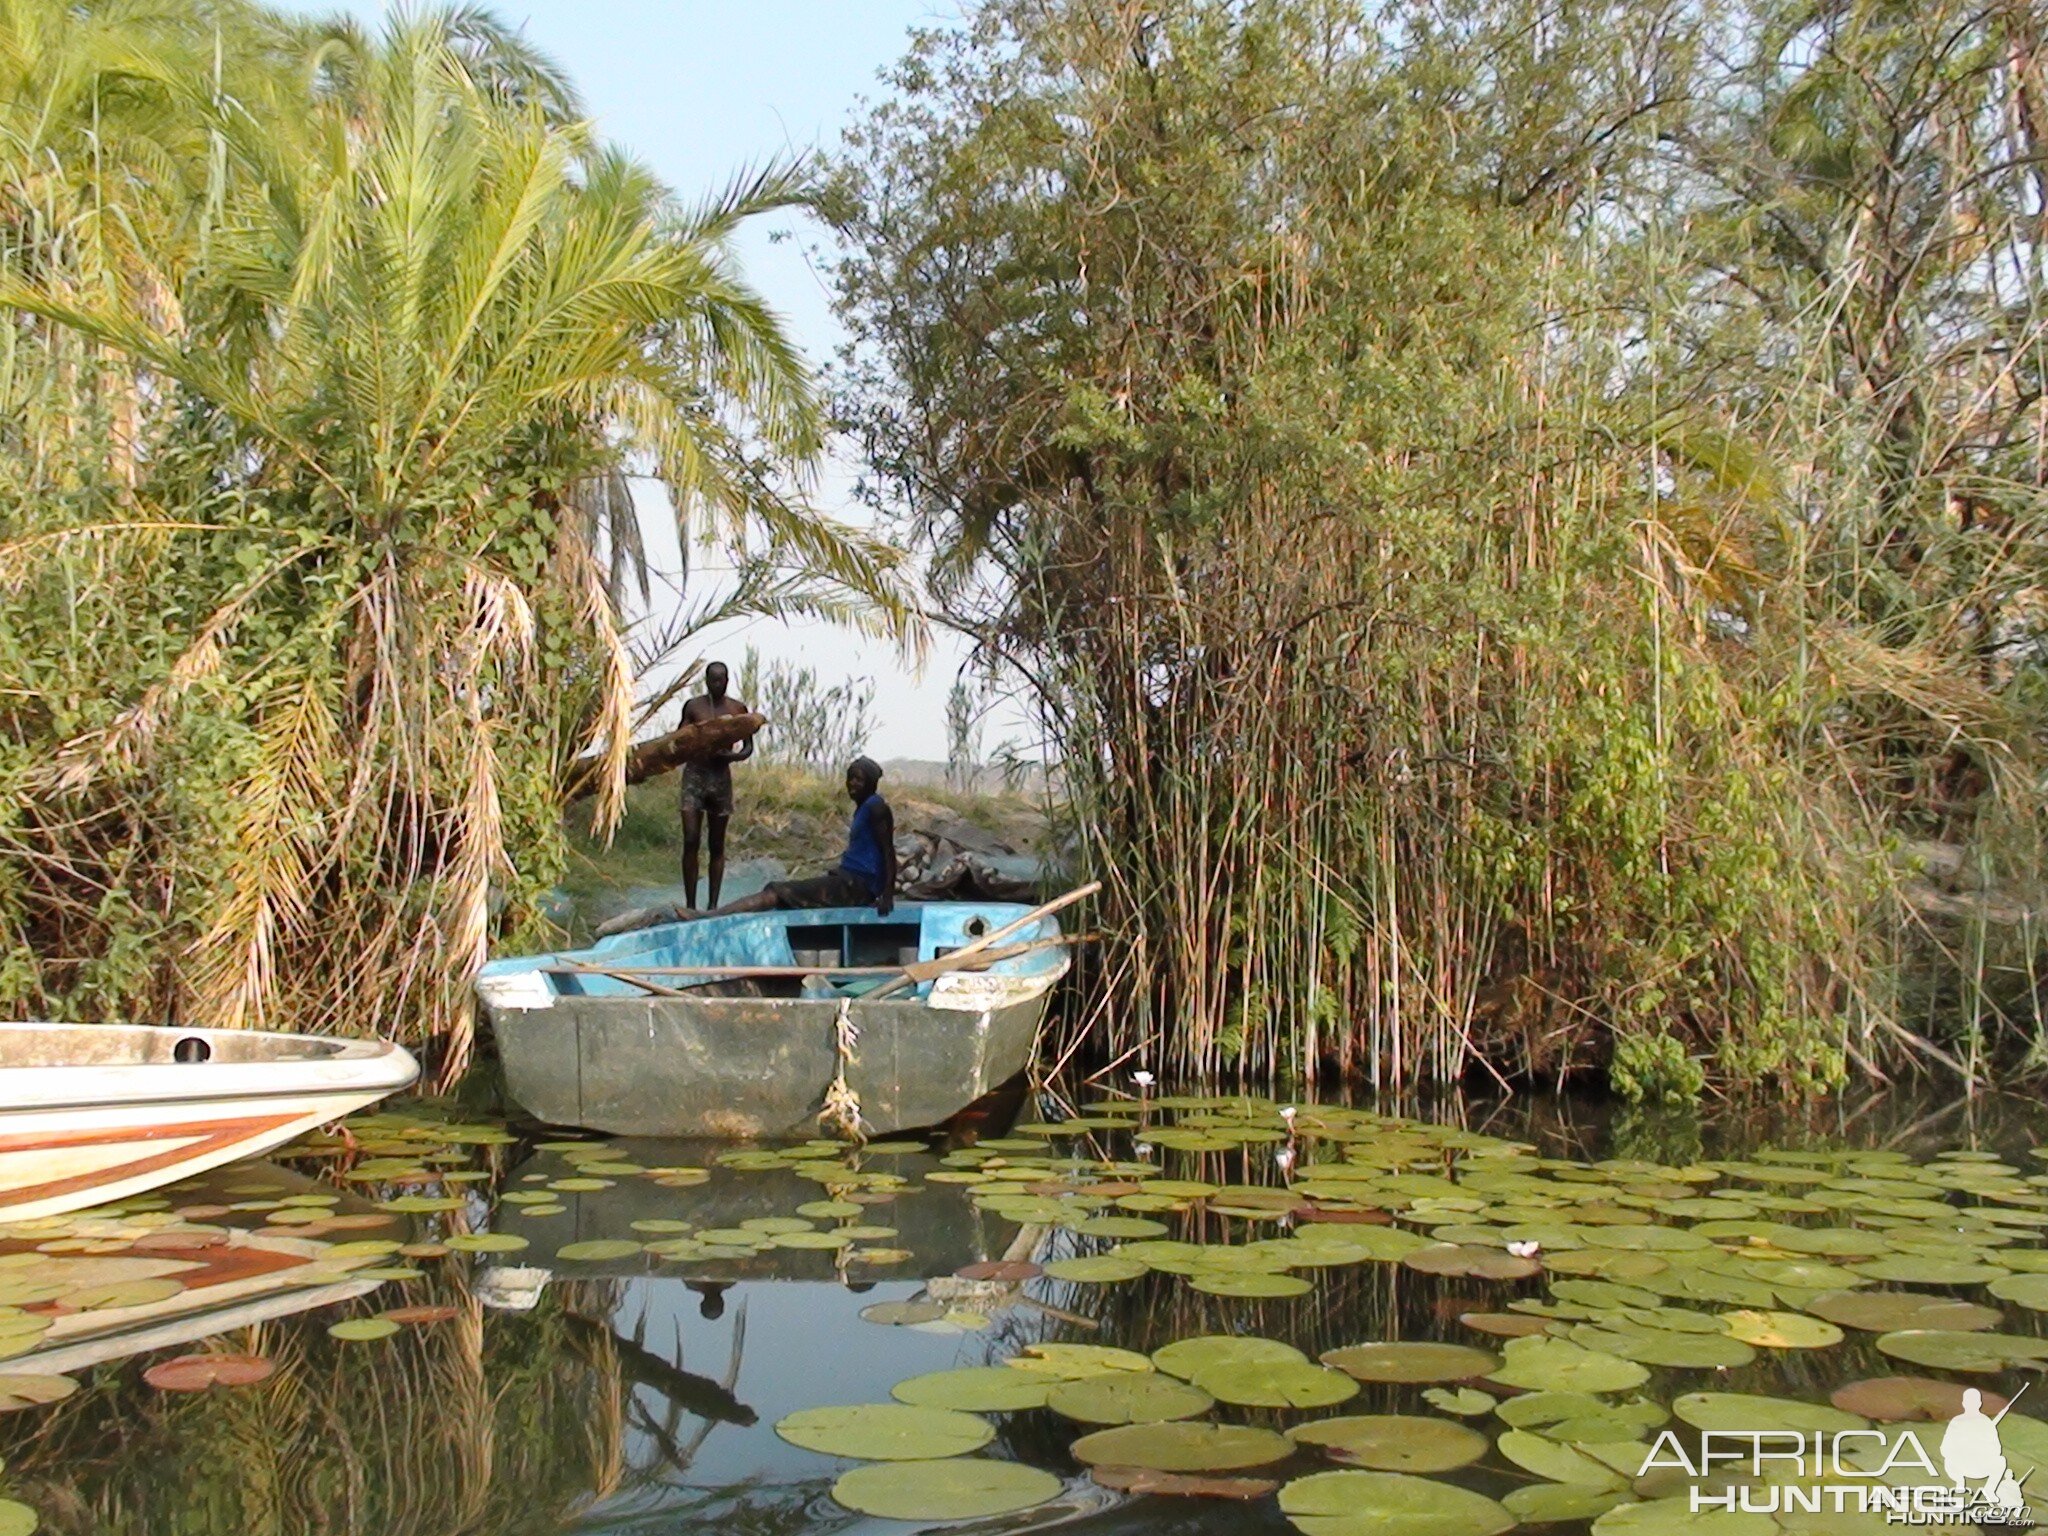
785,820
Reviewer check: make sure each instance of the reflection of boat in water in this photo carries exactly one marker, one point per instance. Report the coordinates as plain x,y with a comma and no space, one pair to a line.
738,1026
940,1235
227,1277
95,1112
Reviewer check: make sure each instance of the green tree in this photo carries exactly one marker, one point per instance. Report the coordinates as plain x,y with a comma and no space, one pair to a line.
348,559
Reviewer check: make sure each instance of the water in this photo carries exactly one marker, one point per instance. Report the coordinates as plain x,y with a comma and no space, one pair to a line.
639,1392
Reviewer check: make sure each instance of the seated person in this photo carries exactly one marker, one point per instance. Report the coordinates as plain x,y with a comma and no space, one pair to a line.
866,872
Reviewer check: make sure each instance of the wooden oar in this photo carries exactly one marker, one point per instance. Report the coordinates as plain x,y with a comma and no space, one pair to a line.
784,972
963,957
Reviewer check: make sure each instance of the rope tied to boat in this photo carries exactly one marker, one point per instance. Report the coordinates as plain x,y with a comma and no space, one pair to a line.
842,1104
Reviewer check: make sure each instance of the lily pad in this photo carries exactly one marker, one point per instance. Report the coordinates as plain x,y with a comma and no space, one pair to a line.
1675,1517
1394,1442
885,1431
902,1314
1782,1330
1183,1447
597,1251
964,1488
1746,1411
1388,1504
1558,1503
2029,1291
1903,1399
1471,1260
1097,1269
1127,1397
1539,1364
1556,1461
1185,1357
486,1242
1186,1485
33,1391
1663,1346
1466,1402
1417,1362
1275,1384
1896,1311
17,1519
1076,1360
196,1373
1267,1286
975,1389
1945,1351
362,1330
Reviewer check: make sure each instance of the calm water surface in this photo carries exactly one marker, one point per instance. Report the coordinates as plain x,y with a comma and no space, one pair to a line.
537,1383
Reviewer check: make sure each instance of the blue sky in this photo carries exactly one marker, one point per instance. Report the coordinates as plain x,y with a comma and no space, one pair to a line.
697,89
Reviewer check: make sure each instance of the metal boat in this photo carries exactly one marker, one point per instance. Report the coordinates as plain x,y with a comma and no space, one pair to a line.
743,1026
95,1112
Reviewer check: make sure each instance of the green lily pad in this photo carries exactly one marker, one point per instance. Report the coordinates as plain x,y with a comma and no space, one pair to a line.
1559,1503
902,1314
1275,1384
1558,1462
1930,1269
1185,1357
1945,1351
1899,1311
963,1488
1097,1269
1782,1330
1675,1517
1182,1447
1540,1364
18,1519
1417,1362
362,1330
1470,1260
1663,1346
1076,1360
597,1251
1466,1402
2029,1291
1394,1442
24,1390
1254,1285
1388,1504
486,1242
885,1431
1745,1411
975,1389
1126,1397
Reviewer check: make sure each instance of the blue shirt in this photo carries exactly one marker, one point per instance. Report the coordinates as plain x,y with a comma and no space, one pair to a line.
863,856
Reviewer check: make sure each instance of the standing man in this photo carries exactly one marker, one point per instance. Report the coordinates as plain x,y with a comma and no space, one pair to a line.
864,876
707,783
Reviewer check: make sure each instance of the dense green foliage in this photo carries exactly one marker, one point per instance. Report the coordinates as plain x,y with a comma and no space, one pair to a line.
1518,518
326,358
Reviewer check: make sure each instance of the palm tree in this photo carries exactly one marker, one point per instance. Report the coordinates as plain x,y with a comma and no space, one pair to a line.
427,324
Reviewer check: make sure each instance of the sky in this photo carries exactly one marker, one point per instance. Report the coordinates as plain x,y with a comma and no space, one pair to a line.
697,89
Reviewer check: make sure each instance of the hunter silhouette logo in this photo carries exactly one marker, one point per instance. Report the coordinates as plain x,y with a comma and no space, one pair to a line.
1965,1479
1971,1452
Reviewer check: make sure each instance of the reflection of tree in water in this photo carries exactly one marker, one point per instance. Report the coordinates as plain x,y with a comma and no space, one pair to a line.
494,1424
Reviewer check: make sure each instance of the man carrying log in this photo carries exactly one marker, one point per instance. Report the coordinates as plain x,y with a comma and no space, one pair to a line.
864,875
707,783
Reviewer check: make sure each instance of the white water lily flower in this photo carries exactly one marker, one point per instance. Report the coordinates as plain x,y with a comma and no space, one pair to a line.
1283,1158
1143,1079
1526,1250
1144,1149
1288,1112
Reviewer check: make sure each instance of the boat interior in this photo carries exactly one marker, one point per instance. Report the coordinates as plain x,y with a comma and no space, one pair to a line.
134,1045
796,943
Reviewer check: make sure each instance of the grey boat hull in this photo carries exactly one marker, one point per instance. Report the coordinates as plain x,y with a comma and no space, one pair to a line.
737,1068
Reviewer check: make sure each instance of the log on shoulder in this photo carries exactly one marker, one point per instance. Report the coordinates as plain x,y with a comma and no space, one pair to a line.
665,752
